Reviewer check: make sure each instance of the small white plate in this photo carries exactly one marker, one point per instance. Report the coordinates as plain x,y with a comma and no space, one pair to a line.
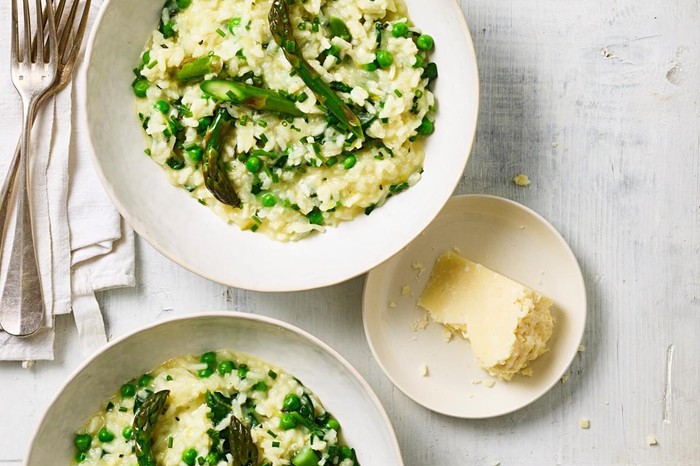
508,238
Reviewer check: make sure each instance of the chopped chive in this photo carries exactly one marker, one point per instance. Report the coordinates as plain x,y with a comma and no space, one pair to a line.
272,374
398,93
220,32
123,409
262,123
254,228
256,219
263,138
272,434
152,64
170,442
275,444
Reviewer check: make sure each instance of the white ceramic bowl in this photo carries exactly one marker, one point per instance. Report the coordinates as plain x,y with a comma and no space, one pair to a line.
194,237
339,387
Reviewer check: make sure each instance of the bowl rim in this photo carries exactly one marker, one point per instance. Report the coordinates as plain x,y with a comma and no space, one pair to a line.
143,231
234,315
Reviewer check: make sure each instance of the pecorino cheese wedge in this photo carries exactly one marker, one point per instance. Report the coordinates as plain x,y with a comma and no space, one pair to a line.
507,324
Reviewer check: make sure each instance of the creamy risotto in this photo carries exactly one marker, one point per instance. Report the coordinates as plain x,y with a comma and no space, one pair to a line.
285,117
218,409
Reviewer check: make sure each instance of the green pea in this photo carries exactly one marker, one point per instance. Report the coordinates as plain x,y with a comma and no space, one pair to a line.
162,106
424,42
268,200
205,373
195,154
333,423
242,371
141,86
253,164
346,452
80,456
225,367
306,457
208,358
189,456
182,4
426,127
260,386
399,29
419,62
369,66
385,59
292,402
349,162
128,390
83,442
105,435
315,216
212,459
127,432
287,421
145,380
203,124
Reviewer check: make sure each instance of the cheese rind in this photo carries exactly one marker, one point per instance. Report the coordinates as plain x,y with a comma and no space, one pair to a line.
507,324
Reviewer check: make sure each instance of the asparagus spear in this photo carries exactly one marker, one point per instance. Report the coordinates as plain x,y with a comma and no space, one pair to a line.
283,33
215,177
243,450
144,424
250,96
198,68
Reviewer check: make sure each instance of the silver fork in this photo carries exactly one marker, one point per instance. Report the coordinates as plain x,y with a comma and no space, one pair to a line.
22,303
68,50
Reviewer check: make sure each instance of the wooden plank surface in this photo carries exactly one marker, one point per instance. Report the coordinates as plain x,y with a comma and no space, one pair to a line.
598,102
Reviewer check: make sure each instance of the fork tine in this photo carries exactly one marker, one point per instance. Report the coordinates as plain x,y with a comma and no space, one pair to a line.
78,39
27,49
68,27
53,49
15,32
39,33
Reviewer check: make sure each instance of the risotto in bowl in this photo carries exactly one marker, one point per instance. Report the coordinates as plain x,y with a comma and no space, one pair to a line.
313,139
222,389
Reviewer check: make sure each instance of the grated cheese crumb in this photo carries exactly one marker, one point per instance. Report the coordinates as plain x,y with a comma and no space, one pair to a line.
584,423
521,180
651,440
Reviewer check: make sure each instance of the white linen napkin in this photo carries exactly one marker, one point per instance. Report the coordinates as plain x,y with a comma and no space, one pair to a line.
83,245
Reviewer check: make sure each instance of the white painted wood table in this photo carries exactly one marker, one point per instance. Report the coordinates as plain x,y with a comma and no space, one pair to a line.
598,102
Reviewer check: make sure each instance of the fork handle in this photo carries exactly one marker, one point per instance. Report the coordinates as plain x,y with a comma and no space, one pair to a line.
22,303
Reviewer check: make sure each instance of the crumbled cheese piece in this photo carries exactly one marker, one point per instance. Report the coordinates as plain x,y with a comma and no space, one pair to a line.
527,372
392,305
488,383
423,370
581,348
521,180
584,423
564,378
405,290
456,249
507,323
421,323
651,440
476,381
419,267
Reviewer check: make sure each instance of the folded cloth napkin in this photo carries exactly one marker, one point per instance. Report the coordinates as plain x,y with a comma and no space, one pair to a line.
83,245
